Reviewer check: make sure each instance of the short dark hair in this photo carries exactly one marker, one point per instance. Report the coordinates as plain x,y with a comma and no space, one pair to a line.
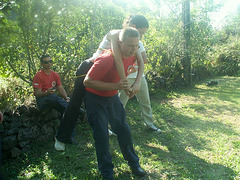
128,32
44,56
138,20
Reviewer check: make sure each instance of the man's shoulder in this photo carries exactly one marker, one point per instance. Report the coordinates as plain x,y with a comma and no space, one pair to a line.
38,73
53,72
107,54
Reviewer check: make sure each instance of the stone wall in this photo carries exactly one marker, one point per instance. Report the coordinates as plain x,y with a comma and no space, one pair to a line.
25,125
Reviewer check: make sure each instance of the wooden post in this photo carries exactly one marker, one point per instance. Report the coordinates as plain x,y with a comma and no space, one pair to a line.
186,60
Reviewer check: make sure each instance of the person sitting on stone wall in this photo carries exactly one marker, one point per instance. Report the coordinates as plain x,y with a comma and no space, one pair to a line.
45,84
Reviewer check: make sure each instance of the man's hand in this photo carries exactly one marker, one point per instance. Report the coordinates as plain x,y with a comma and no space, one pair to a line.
131,94
135,87
123,84
67,99
50,91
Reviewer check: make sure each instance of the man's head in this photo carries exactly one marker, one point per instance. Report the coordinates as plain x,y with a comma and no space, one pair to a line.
129,41
46,61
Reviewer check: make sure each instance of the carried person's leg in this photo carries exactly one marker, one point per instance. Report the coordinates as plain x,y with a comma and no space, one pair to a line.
71,114
145,104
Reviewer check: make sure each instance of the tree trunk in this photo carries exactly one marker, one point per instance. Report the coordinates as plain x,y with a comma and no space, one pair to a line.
186,60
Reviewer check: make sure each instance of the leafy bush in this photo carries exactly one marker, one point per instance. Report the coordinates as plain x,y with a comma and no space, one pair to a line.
167,77
13,93
202,71
227,58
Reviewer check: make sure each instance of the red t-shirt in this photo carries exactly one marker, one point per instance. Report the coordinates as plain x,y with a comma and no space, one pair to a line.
104,69
43,81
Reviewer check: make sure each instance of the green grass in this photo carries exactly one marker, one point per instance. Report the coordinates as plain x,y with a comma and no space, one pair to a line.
200,139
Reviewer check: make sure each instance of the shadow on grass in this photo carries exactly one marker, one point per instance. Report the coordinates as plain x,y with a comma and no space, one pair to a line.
173,154
169,150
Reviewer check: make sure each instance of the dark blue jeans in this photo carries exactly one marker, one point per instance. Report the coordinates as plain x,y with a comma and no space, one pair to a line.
71,114
52,101
100,112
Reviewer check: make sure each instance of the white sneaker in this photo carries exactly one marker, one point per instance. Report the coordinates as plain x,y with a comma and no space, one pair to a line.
154,128
110,133
59,146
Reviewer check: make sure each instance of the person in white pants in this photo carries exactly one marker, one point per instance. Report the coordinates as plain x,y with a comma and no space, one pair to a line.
142,96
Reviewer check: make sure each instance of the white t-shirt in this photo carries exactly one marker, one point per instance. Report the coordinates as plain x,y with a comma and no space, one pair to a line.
105,44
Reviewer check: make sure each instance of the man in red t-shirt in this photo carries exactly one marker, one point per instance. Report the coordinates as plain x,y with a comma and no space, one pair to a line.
45,83
103,105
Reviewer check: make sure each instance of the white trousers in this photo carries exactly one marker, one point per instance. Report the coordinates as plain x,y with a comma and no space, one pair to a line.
143,100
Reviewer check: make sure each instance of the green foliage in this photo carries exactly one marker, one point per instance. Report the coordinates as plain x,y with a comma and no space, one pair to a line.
227,61
69,31
13,93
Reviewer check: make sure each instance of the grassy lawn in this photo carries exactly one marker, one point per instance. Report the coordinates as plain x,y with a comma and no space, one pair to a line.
200,139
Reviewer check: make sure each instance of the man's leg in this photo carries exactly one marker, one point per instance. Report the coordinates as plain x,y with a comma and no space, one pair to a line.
144,102
97,113
117,120
52,101
71,114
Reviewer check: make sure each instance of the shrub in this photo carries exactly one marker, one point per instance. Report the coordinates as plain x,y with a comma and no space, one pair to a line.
13,93
227,58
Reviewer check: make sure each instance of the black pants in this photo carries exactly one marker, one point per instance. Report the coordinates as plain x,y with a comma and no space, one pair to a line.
71,114
100,112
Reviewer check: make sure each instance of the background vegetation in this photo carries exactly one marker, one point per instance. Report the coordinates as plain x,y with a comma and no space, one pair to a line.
71,30
200,126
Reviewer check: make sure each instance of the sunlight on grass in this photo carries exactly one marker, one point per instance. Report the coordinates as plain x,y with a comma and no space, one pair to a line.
37,171
199,140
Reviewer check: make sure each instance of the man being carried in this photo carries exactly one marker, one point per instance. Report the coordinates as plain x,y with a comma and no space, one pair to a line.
103,105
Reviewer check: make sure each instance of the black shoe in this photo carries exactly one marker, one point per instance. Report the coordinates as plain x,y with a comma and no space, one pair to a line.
138,171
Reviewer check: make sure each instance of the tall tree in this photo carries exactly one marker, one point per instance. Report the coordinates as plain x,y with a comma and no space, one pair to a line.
186,60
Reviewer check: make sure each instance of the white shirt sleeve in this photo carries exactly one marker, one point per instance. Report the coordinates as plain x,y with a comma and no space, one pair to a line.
141,47
104,45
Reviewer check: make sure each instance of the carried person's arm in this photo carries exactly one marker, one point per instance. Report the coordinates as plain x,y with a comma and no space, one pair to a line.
114,38
137,83
142,58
